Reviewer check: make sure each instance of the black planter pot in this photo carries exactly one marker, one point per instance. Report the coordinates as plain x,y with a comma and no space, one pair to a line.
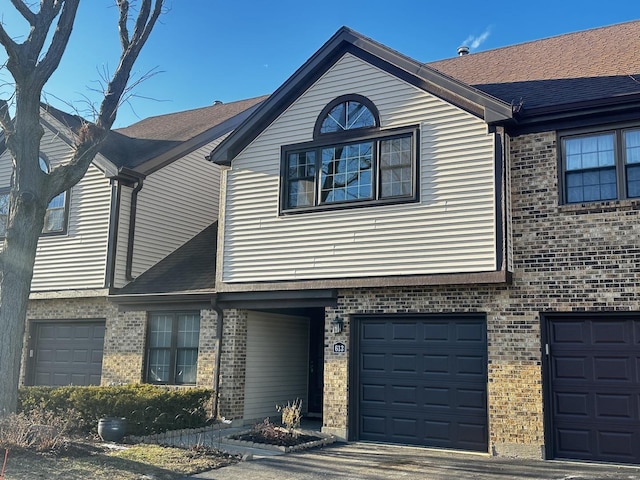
112,429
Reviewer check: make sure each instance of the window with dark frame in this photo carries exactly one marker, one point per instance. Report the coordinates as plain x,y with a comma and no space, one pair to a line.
350,161
601,166
55,220
172,348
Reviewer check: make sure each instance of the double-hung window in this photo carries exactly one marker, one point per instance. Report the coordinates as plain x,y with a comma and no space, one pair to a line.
55,220
601,166
351,161
172,348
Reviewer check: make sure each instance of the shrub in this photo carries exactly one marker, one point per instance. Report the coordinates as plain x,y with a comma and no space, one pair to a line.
291,414
148,408
40,429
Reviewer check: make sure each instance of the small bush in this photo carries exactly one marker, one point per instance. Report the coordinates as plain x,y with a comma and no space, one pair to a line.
291,414
39,429
148,408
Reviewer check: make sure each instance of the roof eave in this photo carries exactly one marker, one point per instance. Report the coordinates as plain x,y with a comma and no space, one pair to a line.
146,301
597,108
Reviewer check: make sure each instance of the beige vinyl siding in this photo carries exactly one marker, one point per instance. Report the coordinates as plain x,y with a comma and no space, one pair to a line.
450,230
77,260
122,241
6,167
277,363
176,203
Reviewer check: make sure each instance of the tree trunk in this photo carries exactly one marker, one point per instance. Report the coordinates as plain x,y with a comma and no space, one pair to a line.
18,260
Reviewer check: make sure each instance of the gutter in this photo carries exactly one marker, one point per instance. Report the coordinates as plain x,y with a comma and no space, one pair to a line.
132,226
216,379
113,233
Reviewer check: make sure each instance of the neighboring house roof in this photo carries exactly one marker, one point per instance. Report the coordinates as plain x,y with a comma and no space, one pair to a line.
602,63
191,269
153,142
344,41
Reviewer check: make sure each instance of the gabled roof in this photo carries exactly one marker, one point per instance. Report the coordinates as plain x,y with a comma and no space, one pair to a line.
574,69
582,73
346,40
189,270
153,142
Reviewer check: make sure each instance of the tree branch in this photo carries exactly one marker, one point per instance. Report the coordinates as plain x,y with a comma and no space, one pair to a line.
7,42
5,118
28,15
122,23
118,84
88,141
51,60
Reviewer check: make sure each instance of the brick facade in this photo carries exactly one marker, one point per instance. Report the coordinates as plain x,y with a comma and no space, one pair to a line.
124,342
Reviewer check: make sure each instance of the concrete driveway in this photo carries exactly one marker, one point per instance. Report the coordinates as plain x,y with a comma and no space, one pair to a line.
371,461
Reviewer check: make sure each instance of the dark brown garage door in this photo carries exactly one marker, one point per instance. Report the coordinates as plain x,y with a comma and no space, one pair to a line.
422,381
68,353
594,387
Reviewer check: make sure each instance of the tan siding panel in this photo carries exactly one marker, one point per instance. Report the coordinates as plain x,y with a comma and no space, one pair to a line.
450,230
176,203
77,260
277,363
119,278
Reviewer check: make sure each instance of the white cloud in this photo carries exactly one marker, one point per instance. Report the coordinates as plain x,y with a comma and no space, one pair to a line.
474,42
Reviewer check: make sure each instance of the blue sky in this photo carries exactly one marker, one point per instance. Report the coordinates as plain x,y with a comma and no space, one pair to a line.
207,50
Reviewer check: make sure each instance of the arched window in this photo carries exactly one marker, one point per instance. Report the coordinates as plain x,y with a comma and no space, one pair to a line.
347,113
351,161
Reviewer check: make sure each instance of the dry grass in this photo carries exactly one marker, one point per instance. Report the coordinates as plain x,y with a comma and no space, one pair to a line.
81,461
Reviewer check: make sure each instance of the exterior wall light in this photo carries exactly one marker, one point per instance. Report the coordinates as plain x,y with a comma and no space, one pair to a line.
336,325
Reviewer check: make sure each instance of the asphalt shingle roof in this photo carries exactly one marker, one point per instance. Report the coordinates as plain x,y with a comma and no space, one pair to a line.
131,146
574,67
189,269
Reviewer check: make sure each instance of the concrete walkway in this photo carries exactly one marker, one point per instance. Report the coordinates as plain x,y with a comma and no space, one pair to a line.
361,460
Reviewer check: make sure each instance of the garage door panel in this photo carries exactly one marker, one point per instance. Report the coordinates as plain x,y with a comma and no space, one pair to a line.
470,332
424,383
611,332
404,332
372,362
612,368
374,331
570,367
569,333
404,363
595,387
436,332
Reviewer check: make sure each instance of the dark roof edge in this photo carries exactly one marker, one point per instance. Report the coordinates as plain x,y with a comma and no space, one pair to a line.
612,108
201,299
319,62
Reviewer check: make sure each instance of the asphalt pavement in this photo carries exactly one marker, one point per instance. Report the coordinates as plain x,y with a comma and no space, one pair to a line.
370,461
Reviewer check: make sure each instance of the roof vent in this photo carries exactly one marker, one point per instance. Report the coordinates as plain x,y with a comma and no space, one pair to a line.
463,50
217,102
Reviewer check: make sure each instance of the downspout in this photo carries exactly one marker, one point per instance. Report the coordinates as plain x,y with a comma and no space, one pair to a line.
216,378
113,233
132,227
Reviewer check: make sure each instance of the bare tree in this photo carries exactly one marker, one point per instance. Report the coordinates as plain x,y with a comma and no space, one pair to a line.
31,64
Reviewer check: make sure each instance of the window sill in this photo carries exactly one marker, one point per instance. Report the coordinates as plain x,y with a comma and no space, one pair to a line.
600,207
